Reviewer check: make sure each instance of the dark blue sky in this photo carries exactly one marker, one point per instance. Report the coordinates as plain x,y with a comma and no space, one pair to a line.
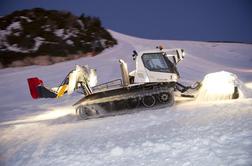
207,20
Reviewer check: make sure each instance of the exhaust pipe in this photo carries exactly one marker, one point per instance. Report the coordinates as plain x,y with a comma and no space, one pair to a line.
124,72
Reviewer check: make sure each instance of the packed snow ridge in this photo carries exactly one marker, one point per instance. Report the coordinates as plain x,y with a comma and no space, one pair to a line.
47,132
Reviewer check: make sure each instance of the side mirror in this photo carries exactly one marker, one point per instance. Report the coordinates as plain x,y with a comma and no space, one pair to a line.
180,55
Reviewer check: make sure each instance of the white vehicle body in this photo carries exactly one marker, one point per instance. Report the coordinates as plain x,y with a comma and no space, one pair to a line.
157,65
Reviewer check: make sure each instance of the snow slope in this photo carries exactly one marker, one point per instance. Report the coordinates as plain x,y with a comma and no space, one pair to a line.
46,131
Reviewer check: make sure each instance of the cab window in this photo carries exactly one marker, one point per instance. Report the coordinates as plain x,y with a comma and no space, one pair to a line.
156,62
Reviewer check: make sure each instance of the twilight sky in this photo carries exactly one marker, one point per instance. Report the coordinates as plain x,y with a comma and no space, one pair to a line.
206,20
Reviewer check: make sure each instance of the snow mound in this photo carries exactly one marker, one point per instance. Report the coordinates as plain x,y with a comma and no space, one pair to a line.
221,86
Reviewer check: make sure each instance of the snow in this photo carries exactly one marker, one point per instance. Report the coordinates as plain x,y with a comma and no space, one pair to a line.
59,32
219,86
65,34
14,25
8,31
117,151
70,42
14,47
38,42
26,19
47,28
81,24
47,132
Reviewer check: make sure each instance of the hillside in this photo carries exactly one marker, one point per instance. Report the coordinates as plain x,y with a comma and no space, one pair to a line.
47,34
47,132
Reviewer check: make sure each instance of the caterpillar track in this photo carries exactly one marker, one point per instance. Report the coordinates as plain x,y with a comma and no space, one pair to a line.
125,99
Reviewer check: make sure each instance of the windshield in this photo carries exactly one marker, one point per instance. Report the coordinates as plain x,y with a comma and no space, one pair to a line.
157,62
